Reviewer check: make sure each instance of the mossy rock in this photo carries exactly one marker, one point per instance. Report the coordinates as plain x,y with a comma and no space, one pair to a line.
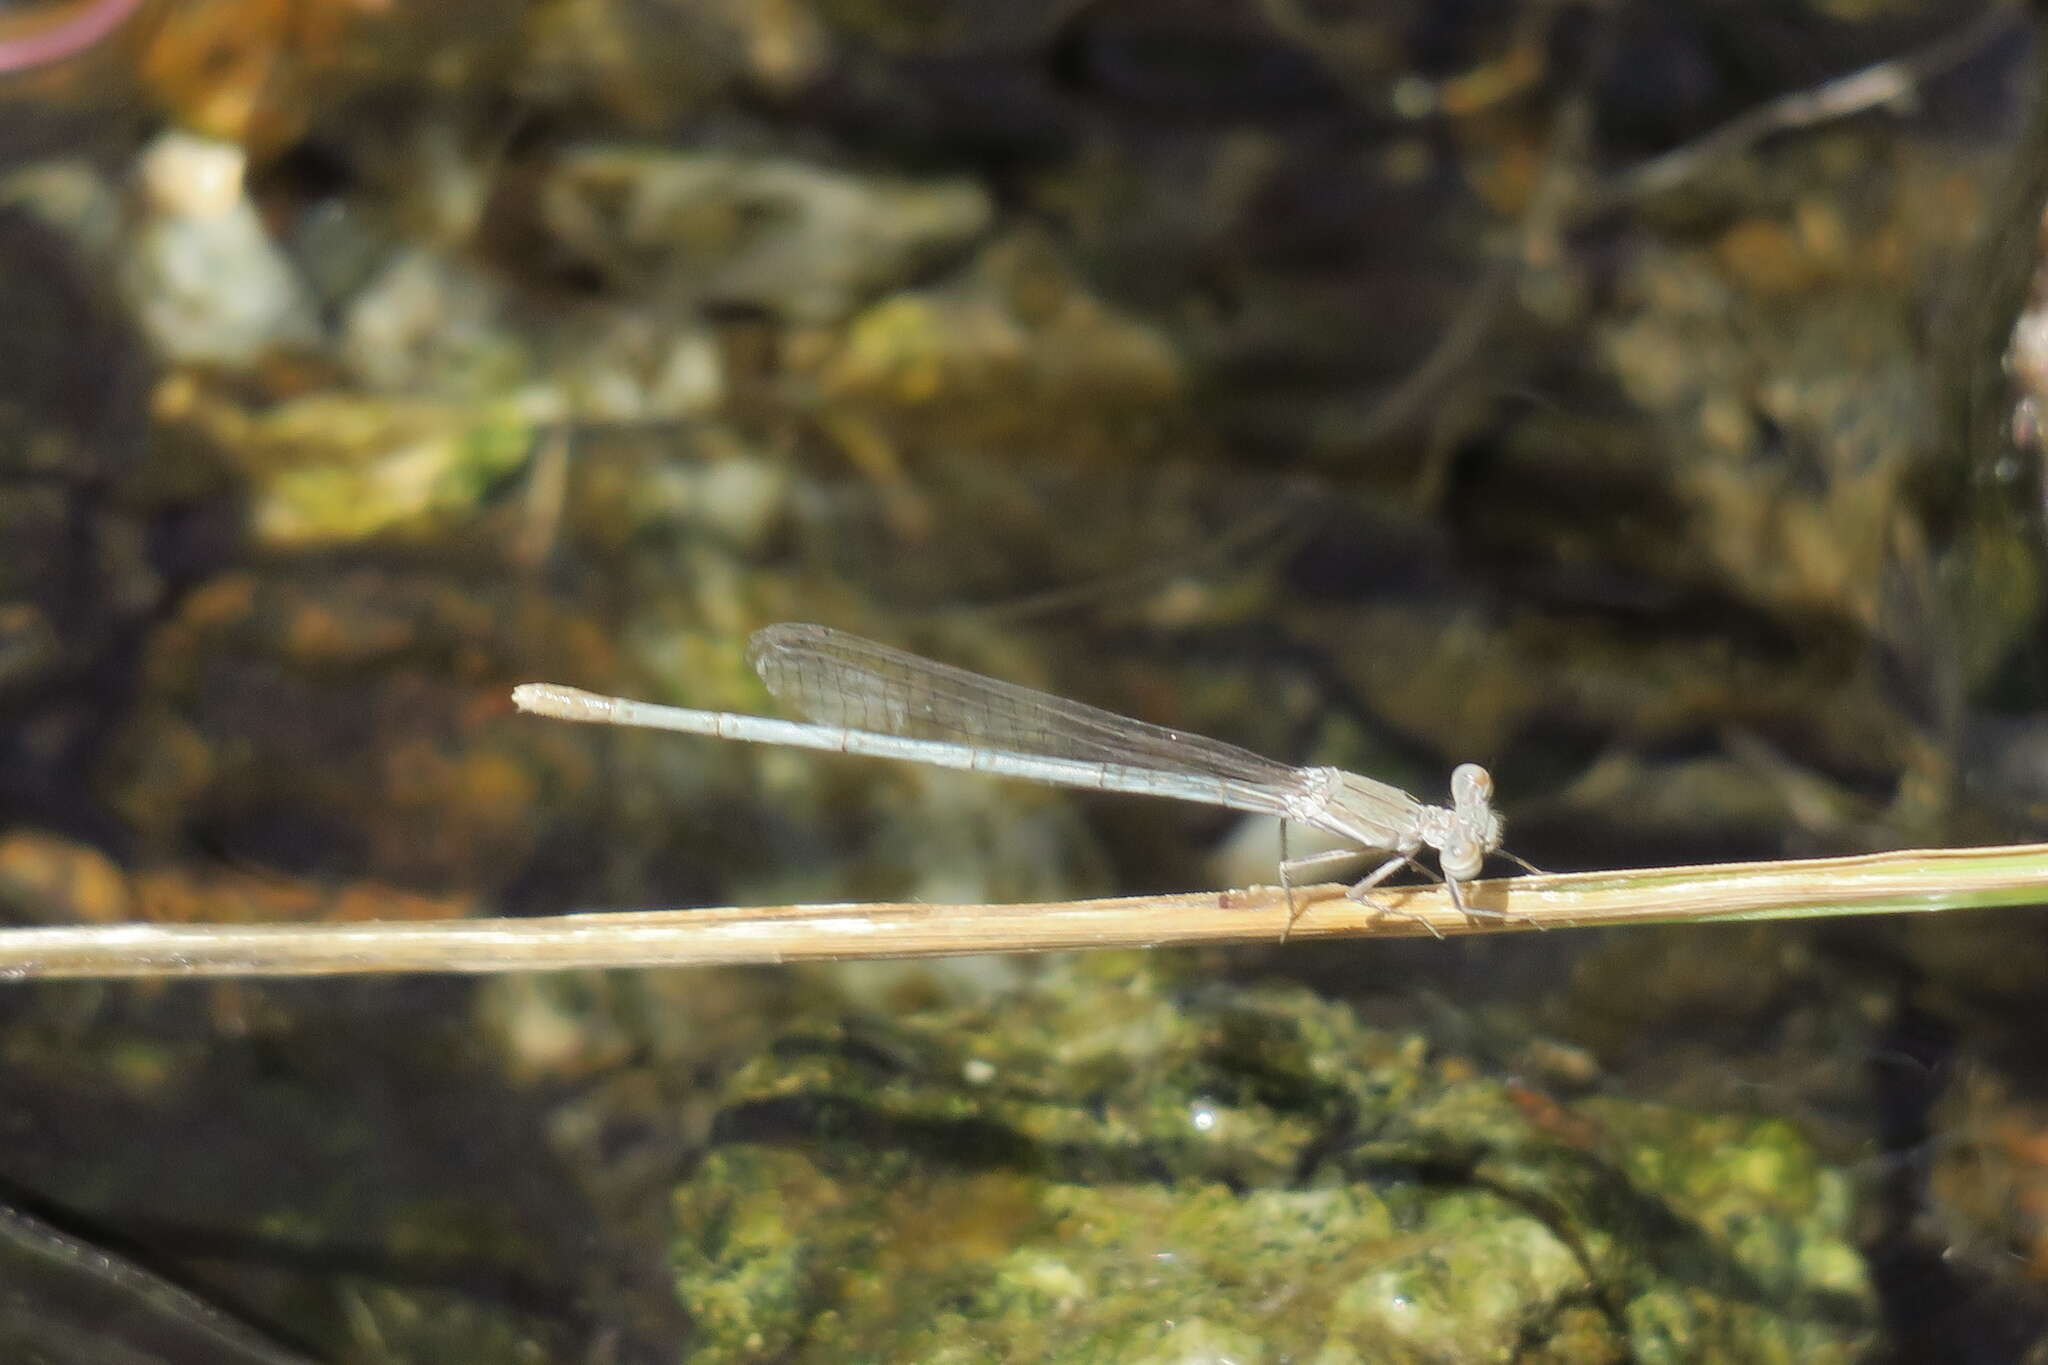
1108,1168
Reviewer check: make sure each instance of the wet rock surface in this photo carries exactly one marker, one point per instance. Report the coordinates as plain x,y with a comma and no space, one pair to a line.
1107,1166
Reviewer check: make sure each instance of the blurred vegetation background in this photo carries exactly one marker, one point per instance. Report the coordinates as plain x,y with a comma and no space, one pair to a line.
1638,399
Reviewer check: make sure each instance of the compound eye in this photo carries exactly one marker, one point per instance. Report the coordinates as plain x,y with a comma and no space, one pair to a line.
1471,785
1461,859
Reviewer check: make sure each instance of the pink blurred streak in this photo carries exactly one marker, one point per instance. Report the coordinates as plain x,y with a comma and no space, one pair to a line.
64,36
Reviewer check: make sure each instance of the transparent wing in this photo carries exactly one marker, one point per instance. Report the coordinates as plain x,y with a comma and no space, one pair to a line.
839,679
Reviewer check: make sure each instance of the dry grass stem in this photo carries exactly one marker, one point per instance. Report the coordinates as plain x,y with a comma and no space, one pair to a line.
1946,879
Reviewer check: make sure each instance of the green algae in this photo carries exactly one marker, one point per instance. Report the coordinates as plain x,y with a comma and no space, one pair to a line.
1110,1168
335,470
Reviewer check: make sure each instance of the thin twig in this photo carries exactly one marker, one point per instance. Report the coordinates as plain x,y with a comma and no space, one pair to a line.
1881,883
1871,87
1479,313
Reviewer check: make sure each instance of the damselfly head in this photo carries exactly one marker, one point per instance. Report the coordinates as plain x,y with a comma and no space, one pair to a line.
1479,827
1471,789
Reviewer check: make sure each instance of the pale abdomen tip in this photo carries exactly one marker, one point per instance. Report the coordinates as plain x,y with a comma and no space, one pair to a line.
563,703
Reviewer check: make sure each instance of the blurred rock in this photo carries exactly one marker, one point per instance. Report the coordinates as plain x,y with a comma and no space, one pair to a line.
315,724
430,323
804,243
45,879
201,272
335,468
78,567
1016,352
